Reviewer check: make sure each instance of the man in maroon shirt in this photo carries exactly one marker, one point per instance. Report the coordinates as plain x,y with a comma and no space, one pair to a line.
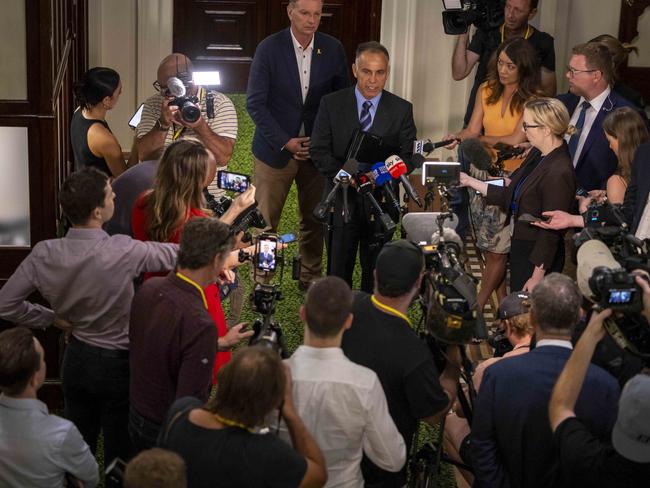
172,336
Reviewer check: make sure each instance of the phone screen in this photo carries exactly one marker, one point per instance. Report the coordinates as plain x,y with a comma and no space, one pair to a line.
135,120
266,256
287,238
497,182
233,181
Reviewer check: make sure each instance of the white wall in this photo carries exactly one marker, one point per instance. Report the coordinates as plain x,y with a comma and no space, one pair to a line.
130,37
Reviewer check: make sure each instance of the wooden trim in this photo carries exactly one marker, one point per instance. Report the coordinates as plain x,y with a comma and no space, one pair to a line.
63,65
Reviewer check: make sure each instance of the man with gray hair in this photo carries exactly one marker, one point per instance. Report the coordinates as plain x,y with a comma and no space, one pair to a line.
511,440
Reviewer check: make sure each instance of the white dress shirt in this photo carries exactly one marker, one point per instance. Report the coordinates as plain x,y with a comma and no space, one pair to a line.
595,105
554,342
344,407
37,449
303,58
643,230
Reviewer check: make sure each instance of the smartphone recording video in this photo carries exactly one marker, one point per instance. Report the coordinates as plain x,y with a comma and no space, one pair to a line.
267,254
227,180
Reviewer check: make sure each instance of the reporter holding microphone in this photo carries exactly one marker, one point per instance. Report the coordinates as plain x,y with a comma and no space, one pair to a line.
545,181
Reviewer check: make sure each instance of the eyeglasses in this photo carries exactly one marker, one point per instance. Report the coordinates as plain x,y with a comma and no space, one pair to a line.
531,126
573,72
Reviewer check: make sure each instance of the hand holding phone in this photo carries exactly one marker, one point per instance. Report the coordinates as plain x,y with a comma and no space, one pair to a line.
532,219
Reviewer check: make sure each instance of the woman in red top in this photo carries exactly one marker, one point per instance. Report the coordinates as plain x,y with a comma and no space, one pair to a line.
159,215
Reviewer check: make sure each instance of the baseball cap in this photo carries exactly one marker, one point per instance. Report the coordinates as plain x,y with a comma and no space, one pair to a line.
631,434
514,304
399,265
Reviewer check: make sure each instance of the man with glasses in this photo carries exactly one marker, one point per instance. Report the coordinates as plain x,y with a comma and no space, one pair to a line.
162,124
516,17
590,99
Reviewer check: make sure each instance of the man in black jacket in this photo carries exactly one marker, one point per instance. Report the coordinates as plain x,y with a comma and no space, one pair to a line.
370,108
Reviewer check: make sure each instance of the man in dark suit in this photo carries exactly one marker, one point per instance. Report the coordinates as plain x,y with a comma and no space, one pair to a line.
291,71
370,108
511,441
590,99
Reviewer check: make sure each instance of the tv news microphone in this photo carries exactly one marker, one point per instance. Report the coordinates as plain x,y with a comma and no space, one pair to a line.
382,177
344,180
365,188
422,146
175,87
476,153
397,169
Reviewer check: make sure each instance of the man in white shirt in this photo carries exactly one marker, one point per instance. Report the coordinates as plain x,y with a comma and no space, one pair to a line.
342,403
36,449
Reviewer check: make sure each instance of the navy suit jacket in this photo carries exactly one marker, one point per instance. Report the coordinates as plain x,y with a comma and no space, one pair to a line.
597,161
274,96
636,195
511,439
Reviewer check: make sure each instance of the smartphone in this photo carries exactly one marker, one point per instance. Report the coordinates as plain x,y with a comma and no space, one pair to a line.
226,180
287,238
531,218
135,120
266,255
496,182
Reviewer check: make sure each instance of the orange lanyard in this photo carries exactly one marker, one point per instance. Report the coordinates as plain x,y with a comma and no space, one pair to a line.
196,285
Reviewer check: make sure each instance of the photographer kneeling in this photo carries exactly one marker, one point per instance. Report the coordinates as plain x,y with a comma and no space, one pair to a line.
584,459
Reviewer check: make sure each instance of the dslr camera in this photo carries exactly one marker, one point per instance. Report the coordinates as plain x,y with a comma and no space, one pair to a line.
460,14
188,105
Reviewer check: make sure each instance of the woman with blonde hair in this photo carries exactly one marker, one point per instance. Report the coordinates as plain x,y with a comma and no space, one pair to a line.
545,181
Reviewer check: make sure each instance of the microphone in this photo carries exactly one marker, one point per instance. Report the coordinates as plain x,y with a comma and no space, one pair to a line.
382,178
422,146
365,188
320,212
175,87
397,169
476,153
344,179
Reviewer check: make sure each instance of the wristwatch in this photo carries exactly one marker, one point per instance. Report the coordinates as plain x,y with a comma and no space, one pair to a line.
161,127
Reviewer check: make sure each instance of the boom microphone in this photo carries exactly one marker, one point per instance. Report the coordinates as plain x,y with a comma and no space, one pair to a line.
426,146
476,153
175,87
397,169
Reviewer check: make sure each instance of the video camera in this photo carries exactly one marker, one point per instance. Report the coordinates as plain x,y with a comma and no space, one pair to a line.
608,281
460,14
448,296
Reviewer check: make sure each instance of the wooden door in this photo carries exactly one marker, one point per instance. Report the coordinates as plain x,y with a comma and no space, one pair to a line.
222,35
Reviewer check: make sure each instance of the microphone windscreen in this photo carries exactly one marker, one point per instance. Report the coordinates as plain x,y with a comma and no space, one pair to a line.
176,87
449,235
476,153
381,173
592,254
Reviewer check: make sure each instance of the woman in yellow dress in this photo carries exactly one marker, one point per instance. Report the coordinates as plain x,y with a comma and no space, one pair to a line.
513,79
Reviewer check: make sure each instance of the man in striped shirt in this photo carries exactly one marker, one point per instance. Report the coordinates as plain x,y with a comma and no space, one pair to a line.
161,123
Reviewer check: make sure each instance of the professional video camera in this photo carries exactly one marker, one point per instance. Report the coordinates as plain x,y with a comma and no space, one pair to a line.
460,14
250,217
218,206
267,258
177,87
610,283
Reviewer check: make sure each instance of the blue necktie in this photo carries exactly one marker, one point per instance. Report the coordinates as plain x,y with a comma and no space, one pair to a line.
365,119
575,138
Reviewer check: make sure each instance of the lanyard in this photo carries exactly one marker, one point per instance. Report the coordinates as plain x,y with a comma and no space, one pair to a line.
520,183
230,423
390,310
502,29
196,285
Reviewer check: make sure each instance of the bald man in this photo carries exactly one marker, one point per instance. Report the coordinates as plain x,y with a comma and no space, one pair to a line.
161,123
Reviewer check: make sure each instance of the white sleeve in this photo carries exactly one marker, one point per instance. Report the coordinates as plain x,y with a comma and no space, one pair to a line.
77,459
382,442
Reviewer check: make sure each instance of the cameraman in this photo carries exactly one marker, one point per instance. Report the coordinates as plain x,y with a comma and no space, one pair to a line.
381,338
162,123
585,460
517,14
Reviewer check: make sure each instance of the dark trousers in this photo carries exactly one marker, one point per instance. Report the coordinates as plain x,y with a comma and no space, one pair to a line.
521,269
364,233
143,432
96,394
